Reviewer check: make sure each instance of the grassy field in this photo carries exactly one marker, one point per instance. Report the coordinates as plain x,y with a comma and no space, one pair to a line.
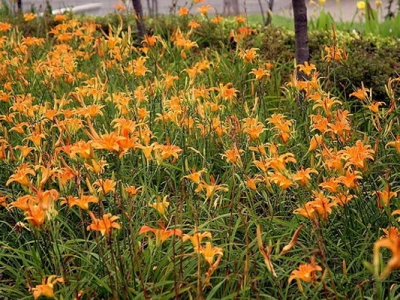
173,169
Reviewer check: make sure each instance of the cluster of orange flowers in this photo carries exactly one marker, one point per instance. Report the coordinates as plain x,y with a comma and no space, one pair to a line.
62,147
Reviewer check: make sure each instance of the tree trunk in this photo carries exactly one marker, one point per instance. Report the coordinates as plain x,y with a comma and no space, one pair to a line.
269,13
235,5
300,28
231,7
137,6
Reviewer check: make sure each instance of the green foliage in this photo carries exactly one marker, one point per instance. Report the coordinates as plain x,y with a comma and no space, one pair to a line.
201,117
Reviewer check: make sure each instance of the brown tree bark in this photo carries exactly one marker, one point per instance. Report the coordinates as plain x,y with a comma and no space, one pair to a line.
269,13
231,7
300,28
137,6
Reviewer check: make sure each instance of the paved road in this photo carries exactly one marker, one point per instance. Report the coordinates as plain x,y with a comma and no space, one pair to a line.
341,9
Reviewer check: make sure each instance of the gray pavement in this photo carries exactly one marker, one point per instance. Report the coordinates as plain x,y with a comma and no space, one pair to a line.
341,10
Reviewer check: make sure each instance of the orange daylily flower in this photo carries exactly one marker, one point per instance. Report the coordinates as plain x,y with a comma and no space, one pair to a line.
183,11
29,17
124,127
193,24
361,93
326,103
332,159
83,201
278,163
160,206
341,199
251,183
83,148
147,150
21,175
169,79
209,252
195,176
320,123
305,272
233,155
161,234
350,179
196,239
35,215
331,185
107,141
281,125
203,10
166,151
3,200
281,180
374,106
23,202
105,224
249,55
25,150
46,289
335,53
5,26
391,240
385,196
395,144
211,188
227,92
132,190
322,205
307,68
357,155
217,19
105,186
303,176
254,131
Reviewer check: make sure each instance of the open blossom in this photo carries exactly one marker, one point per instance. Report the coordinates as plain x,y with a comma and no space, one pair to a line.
203,10
303,176
105,224
105,186
195,176
249,55
21,175
183,11
29,17
159,205
82,201
390,240
161,234
46,289
196,239
211,188
210,252
305,272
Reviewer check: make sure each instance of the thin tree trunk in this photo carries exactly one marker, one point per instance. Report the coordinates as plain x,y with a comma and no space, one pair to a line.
269,13
137,6
301,40
262,12
235,6
300,28
231,7
155,6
